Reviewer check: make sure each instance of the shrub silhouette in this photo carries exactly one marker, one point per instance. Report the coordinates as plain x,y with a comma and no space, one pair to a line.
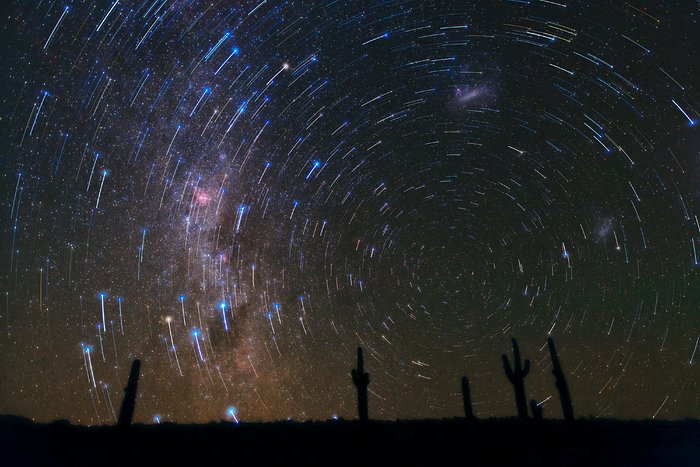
360,378
516,376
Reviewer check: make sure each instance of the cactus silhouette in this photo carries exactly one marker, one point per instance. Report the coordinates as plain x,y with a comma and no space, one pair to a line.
566,405
536,409
467,399
126,413
516,376
360,379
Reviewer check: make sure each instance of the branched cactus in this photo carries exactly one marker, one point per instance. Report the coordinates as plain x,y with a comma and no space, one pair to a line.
126,413
566,405
360,379
467,399
516,375
537,410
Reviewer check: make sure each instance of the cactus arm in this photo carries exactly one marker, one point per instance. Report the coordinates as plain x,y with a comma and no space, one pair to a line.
526,370
507,369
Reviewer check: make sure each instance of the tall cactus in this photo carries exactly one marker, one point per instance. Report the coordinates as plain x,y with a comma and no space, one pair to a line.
360,379
126,413
566,405
516,376
467,399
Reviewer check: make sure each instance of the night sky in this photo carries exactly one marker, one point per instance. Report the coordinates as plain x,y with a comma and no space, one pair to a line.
241,193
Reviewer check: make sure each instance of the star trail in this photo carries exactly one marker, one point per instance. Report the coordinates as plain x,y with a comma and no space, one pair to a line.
241,193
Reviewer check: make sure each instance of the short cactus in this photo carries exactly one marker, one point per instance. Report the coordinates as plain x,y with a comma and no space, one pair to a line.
467,399
537,410
517,376
360,378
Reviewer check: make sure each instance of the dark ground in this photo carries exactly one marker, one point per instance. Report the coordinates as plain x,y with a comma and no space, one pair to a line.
332,443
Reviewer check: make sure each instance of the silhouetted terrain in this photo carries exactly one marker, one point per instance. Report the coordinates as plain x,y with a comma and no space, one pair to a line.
521,441
423,442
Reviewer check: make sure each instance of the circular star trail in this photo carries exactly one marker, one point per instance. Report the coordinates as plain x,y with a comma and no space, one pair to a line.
241,193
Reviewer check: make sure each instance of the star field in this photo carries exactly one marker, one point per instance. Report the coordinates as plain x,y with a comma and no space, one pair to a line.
241,193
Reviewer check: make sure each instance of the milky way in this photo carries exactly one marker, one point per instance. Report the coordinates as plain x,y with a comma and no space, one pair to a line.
241,193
